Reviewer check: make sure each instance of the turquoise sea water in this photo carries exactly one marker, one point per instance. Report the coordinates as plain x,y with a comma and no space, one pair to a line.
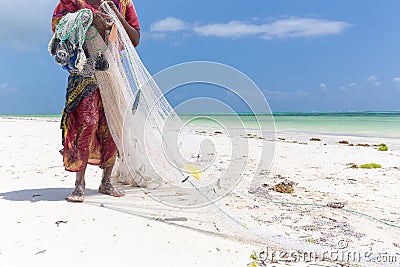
378,124
359,124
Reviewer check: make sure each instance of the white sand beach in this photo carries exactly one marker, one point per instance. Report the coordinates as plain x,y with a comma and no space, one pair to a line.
39,228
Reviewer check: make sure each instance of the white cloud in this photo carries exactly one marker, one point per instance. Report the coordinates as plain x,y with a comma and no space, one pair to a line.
282,28
230,29
352,84
169,24
396,80
303,27
322,86
374,80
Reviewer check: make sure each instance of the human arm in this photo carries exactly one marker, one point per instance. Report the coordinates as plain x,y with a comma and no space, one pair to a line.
129,22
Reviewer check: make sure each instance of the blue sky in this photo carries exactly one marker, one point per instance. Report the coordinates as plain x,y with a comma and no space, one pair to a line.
305,55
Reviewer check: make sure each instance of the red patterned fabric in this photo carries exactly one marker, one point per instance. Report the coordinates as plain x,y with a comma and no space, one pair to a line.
125,7
87,139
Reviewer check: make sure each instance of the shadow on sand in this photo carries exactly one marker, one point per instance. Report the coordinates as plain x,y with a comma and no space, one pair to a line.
42,194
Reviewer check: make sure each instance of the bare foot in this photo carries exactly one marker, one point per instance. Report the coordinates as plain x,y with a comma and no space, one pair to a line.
108,189
77,195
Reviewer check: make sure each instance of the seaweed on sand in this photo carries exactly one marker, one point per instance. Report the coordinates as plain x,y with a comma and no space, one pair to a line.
383,147
371,166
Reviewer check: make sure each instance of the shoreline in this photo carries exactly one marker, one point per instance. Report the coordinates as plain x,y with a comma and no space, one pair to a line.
279,131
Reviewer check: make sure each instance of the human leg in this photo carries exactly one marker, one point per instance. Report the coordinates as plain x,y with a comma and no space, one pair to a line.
108,154
106,187
79,141
78,194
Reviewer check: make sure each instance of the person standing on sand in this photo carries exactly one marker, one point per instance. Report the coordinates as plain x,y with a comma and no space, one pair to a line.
86,136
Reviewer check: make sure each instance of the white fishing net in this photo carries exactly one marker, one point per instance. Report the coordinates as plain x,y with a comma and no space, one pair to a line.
170,161
156,150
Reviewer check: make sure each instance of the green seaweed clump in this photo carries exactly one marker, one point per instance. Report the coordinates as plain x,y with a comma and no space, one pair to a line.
383,147
371,166
253,257
254,262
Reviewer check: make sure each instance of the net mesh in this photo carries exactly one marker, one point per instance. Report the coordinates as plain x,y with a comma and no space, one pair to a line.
129,97
173,163
156,150
170,161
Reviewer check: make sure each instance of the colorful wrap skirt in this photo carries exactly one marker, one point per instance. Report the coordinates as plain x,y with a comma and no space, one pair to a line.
85,134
